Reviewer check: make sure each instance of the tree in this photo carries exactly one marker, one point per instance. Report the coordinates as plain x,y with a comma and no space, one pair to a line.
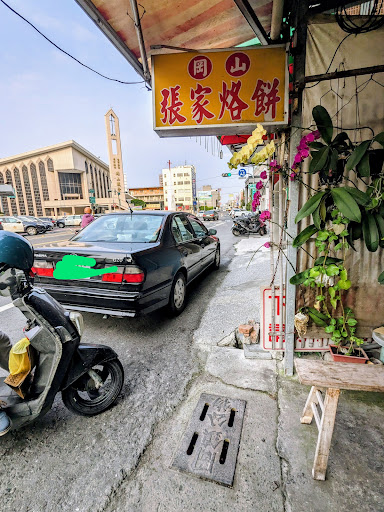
139,202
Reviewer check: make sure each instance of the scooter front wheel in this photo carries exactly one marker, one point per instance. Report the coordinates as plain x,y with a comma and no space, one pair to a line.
236,232
95,391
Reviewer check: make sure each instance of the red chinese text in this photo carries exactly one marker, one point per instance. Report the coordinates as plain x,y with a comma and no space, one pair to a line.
266,96
171,105
200,102
231,101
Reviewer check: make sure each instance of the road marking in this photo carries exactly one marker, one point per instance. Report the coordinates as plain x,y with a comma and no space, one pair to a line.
7,306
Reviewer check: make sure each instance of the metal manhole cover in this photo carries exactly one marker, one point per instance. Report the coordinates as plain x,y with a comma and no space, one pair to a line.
211,442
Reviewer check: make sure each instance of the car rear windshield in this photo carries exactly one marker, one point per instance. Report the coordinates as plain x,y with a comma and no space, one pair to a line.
122,228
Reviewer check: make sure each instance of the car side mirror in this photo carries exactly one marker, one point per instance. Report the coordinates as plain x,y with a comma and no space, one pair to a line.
212,232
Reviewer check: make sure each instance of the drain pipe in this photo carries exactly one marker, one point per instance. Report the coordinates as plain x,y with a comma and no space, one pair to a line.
140,38
277,18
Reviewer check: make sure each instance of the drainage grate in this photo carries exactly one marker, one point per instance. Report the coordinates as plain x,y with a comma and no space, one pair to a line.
211,442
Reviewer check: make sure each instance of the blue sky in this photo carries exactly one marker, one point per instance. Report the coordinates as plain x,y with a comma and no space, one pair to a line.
48,98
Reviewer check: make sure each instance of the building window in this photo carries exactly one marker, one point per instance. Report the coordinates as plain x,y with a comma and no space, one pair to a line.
105,185
112,125
28,192
101,184
92,181
70,185
43,180
187,182
36,190
4,202
9,181
97,183
50,165
86,168
19,191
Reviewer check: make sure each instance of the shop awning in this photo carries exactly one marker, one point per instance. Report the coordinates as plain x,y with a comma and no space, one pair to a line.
196,24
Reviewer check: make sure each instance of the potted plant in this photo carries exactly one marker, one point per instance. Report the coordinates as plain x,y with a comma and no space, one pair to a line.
341,214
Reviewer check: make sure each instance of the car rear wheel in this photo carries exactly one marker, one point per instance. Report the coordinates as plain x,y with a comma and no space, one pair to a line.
178,295
60,224
31,231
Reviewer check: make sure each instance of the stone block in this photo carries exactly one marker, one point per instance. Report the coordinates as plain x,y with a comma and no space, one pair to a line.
245,329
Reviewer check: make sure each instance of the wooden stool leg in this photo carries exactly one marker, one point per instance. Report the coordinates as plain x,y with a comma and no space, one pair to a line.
325,434
307,415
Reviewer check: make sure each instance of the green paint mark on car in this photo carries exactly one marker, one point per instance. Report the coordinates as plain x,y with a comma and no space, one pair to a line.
79,267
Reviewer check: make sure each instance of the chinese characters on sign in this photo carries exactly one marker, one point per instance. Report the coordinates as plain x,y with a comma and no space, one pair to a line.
219,90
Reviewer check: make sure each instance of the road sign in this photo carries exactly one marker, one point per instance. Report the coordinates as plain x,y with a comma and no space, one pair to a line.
242,173
91,191
92,200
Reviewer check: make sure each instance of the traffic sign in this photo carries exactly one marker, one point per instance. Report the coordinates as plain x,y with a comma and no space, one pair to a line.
91,191
92,200
242,173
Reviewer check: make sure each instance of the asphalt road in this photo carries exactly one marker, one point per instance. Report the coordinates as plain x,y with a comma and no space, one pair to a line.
71,463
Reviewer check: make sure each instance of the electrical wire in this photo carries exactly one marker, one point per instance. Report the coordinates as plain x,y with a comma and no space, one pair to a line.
66,53
372,21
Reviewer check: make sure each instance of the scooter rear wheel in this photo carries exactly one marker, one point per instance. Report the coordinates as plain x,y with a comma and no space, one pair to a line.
84,399
236,232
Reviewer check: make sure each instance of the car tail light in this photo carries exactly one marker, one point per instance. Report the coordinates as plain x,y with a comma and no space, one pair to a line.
43,268
131,275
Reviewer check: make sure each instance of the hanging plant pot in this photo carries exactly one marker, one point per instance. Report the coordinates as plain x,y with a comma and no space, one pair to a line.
342,358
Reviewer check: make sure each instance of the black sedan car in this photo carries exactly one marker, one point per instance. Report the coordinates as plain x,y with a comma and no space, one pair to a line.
157,255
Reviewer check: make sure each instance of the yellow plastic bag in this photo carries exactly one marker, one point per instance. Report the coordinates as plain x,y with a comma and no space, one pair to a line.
19,361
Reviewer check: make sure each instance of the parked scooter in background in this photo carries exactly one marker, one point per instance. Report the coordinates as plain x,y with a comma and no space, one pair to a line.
90,377
249,225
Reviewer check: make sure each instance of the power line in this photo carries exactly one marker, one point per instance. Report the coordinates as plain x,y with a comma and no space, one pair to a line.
66,53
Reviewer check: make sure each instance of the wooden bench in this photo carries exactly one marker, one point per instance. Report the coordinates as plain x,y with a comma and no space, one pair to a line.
332,377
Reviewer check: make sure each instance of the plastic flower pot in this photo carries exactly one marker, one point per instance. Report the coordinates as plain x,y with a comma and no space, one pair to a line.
342,358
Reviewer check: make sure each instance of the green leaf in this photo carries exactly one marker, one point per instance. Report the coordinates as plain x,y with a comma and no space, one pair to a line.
352,321
370,232
334,303
322,236
344,333
298,278
332,270
334,159
357,155
317,313
310,206
344,285
379,138
320,298
330,260
304,236
331,292
314,273
340,138
319,159
359,196
363,168
323,122
381,278
316,217
356,230
323,209
329,328
336,333
346,204
316,145
380,226
333,321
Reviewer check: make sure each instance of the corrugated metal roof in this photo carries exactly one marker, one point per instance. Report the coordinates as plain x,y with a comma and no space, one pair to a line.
196,24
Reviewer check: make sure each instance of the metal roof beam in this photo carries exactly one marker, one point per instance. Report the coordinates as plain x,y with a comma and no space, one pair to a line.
110,33
253,21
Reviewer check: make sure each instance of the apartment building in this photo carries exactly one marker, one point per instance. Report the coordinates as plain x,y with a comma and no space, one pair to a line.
179,185
152,196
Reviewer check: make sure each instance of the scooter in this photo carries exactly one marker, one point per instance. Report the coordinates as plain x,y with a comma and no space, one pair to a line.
248,225
89,377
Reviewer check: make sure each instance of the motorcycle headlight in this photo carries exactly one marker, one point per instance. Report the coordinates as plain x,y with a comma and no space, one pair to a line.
78,321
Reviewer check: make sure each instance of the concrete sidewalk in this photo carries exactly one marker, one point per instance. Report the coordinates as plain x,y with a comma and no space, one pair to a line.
276,452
